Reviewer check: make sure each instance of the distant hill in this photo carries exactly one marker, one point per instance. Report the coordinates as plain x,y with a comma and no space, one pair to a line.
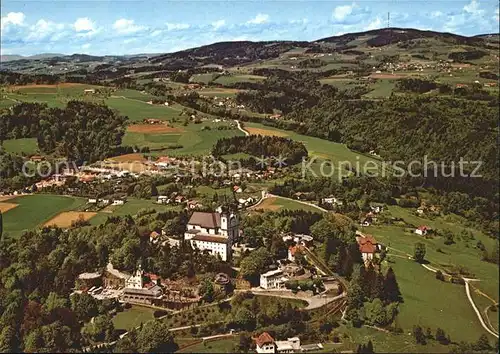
11,57
385,36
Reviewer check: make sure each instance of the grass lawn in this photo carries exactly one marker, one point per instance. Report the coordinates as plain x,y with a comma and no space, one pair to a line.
34,210
223,345
461,253
18,146
209,191
132,317
137,110
278,203
386,342
429,302
381,88
226,80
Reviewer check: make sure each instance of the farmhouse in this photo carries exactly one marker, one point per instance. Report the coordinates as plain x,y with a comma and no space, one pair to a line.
423,230
153,121
367,246
265,343
89,91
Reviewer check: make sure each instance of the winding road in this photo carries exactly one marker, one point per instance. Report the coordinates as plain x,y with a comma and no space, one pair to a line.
467,291
240,128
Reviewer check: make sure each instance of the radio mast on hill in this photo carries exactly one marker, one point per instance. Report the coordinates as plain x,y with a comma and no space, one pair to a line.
388,20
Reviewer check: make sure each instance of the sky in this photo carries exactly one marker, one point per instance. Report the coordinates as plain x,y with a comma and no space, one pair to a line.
101,27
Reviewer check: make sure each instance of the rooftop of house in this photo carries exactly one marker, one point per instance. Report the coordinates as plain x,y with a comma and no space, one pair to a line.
424,228
206,220
293,249
272,273
367,244
89,275
264,338
210,238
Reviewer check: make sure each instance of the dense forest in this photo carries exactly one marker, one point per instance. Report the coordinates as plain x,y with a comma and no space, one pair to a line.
81,131
289,151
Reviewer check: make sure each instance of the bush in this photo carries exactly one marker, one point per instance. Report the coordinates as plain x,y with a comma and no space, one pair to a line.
439,275
159,313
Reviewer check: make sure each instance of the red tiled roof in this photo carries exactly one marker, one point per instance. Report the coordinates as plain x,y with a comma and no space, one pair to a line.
207,220
264,338
209,238
154,234
294,249
367,244
424,227
367,248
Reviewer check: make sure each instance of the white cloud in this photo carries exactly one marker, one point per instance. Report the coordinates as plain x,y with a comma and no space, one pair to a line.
44,28
84,24
12,18
124,26
86,46
177,26
218,24
259,19
341,12
375,24
473,8
156,33
435,14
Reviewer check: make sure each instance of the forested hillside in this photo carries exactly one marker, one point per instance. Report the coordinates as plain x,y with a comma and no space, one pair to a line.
81,131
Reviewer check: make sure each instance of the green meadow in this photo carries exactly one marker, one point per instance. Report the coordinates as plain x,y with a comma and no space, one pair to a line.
137,110
34,210
132,317
428,301
25,145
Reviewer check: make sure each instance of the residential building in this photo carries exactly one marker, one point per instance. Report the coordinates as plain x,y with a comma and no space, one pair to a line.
367,246
423,230
273,279
288,346
265,343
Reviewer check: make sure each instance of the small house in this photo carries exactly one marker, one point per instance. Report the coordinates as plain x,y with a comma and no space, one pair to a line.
423,230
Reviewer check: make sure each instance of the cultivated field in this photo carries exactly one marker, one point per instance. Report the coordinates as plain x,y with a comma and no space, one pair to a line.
66,218
153,129
35,210
264,131
4,207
